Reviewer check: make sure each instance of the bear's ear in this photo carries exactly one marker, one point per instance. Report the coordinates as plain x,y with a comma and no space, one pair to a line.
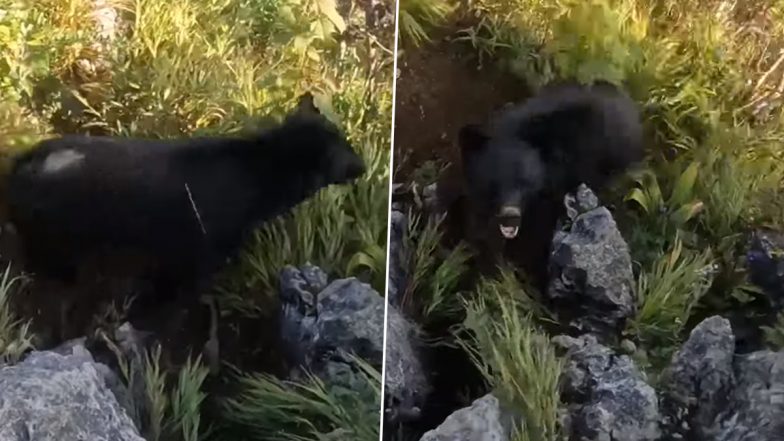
471,138
306,105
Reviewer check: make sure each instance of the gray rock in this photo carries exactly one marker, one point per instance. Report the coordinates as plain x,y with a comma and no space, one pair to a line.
582,201
398,255
351,318
482,421
699,379
765,259
321,323
407,384
608,397
713,394
299,288
50,396
591,271
755,408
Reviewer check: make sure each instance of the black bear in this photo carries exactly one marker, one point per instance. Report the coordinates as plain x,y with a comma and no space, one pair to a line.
182,206
517,169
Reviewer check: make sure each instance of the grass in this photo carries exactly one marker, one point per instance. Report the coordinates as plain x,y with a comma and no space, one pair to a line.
432,295
709,78
277,410
516,358
418,17
666,294
163,407
174,415
15,336
204,67
774,335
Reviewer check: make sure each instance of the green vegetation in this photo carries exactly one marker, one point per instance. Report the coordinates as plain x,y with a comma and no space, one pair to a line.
418,17
432,293
666,294
199,67
272,409
515,356
15,337
774,335
167,411
709,78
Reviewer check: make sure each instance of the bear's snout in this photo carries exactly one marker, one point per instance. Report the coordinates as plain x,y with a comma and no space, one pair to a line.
509,221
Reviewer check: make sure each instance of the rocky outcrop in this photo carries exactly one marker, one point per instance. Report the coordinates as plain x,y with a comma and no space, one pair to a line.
484,420
322,323
712,394
398,256
407,383
765,260
698,379
52,396
590,269
326,327
607,396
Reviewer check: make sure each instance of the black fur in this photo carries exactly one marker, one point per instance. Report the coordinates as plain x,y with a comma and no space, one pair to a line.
518,168
183,206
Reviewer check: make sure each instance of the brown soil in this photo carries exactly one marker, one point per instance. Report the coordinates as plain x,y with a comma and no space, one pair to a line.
440,88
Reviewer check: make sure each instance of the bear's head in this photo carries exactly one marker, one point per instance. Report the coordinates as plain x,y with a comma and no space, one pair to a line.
502,174
320,145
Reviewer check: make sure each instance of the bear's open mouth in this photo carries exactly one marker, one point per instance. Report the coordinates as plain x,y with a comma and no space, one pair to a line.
509,221
509,232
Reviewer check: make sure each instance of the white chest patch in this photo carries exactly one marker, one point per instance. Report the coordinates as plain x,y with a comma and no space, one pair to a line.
61,160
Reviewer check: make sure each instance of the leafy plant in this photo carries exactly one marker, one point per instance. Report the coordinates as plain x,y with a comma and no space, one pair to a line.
665,213
666,294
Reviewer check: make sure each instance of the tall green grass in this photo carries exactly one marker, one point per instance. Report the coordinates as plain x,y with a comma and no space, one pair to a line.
164,407
418,17
516,357
433,292
666,294
15,336
272,409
